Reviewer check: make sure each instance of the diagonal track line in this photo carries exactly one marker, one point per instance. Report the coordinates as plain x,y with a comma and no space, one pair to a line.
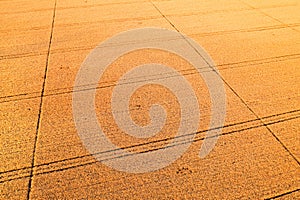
262,12
283,194
230,87
225,66
40,107
88,159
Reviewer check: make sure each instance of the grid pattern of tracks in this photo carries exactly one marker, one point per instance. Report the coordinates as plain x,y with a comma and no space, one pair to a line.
84,160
